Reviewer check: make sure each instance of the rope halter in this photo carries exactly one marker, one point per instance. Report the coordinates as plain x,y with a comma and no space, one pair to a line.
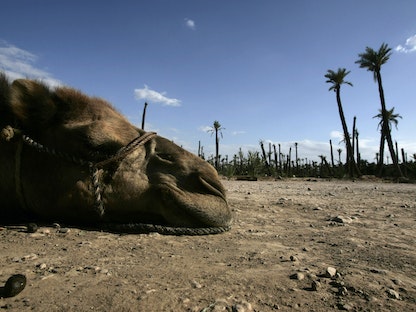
8,133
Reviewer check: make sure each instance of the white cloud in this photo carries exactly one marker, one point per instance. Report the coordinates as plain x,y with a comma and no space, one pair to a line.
190,23
337,135
205,128
409,46
155,97
19,63
238,132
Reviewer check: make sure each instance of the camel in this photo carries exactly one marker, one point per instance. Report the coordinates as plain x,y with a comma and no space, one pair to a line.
70,158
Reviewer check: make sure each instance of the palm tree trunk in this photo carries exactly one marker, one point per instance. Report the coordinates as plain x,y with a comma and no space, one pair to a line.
380,164
332,154
386,127
144,115
266,164
351,164
357,149
353,137
217,149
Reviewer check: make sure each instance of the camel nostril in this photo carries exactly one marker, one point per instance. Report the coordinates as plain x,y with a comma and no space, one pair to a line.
213,187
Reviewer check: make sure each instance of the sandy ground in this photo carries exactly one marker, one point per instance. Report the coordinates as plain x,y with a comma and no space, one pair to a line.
295,245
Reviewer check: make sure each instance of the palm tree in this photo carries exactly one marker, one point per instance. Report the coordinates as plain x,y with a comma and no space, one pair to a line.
144,115
373,60
339,155
266,164
217,130
392,118
337,79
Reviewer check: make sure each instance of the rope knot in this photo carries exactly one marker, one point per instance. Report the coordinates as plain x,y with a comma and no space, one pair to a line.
8,133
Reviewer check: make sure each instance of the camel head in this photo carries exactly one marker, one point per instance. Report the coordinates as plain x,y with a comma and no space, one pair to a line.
137,181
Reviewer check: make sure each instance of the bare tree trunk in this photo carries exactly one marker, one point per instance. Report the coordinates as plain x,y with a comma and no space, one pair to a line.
358,149
351,164
275,160
265,158
404,162
353,137
386,126
144,115
217,148
296,155
381,154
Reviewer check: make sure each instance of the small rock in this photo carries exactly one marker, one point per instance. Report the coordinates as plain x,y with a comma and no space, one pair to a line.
32,227
315,285
42,266
218,305
341,219
31,256
150,291
398,282
293,258
14,285
297,276
393,294
330,272
64,230
45,231
242,307
195,284
342,291
346,307
378,271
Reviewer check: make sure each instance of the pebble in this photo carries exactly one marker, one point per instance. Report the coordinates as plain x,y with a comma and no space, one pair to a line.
330,272
297,276
14,285
347,307
293,258
196,285
243,306
45,231
32,227
315,285
64,230
393,294
342,291
341,219
398,282
31,256
224,305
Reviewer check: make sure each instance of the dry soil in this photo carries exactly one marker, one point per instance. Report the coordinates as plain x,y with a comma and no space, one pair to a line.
298,244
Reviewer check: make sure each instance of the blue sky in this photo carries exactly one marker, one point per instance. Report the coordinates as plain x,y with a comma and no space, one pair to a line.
255,66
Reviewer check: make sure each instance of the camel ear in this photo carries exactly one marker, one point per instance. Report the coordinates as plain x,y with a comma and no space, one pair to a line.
31,103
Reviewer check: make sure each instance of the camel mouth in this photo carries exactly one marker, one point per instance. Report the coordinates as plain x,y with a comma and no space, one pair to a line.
192,209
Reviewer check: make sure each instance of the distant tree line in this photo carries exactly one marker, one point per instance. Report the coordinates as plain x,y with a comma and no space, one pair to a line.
274,163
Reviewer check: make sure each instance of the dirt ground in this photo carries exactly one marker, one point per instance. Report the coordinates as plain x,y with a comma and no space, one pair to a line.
305,245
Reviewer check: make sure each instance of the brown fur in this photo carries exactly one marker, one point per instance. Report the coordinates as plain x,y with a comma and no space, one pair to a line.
159,182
